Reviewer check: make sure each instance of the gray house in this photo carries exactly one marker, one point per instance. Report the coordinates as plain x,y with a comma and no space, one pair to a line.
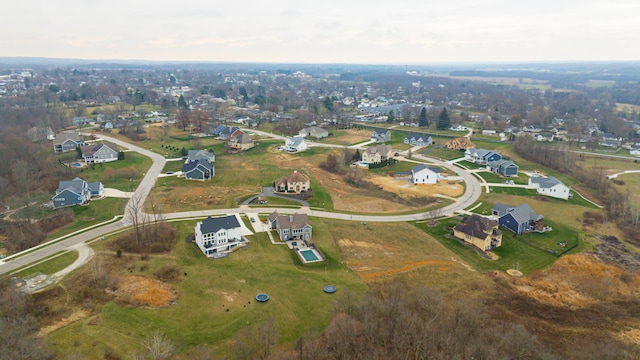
418,140
76,192
198,170
99,153
194,155
380,135
66,142
291,227
519,219
503,167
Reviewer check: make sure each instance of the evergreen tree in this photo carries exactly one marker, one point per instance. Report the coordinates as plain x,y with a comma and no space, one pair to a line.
391,118
422,120
357,156
443,120
182,103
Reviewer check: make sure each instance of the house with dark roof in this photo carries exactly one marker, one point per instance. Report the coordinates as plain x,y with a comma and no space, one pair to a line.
198,170
503,167
76,192
380,135
414,139
550,186
291,227
99,152
294,183
481,156
519,219
66,142
223,132
479,231
194,155
423,174
216,237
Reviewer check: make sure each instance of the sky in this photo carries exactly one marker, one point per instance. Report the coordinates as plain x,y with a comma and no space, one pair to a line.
328,31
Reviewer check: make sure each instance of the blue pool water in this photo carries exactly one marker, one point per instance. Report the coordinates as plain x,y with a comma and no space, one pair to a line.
309,255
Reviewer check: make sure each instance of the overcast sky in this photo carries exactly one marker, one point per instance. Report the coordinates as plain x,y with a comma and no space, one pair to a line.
328,31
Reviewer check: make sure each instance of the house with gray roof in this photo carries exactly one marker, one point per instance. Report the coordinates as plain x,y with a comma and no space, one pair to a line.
380,135
550,186
216,237
314,132
99,152
519,219
481,156
291,227
66,142
198,170
503,167
194,155
295,144
423,174
415,139
76,192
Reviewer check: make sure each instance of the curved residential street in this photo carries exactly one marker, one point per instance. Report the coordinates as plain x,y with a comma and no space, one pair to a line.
43,251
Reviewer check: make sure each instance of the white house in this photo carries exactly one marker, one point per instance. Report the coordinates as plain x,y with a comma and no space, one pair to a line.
217,236
295,144
422,174
550,186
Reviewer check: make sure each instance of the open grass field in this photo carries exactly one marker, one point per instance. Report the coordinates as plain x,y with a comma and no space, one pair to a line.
631,187
345,137
445,154
54,264
217,298
96,212
111,176
496,178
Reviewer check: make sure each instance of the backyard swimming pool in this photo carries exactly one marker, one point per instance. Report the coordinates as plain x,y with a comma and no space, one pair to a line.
309,255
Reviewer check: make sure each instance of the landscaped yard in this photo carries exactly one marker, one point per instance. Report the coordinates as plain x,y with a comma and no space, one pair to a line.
217,298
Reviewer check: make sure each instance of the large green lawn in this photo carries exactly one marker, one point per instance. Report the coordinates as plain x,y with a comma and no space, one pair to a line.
99,172
217,299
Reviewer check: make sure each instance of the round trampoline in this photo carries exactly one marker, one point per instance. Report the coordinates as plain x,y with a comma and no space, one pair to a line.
330,289
262,297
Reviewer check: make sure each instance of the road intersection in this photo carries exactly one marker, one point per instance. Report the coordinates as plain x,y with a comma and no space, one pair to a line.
472,193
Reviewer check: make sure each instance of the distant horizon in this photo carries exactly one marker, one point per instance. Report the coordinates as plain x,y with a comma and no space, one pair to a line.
328,32
44,59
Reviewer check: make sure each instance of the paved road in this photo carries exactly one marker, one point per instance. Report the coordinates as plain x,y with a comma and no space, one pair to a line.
471,195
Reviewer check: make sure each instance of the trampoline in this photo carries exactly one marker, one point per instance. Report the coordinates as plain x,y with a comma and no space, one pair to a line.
262,297
330,289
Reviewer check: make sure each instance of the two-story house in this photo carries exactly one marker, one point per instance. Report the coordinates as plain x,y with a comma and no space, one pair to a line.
99,152
479,231
380,135
76,192
218,236
291,227
66,142
377,153
414,139
294,183
423,174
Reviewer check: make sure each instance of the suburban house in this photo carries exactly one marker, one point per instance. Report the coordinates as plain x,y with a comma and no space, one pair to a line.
99,152
418,140
503,167
481,156
422,174
65,142
198,170
294,183
461,143
240,141
223,132
519,219
314,132
550,186
380,135
479,231
217,236
377,153
295,144
76,192
291,227
194,155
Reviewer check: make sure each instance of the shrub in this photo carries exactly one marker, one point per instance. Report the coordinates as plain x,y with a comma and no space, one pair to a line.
168,273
